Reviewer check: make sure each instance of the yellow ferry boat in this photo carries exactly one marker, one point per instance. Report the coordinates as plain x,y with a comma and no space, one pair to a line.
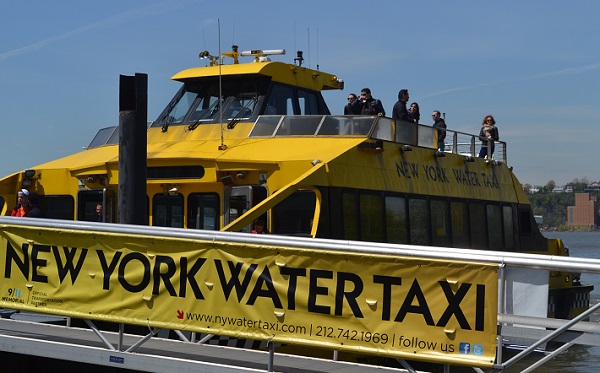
247,141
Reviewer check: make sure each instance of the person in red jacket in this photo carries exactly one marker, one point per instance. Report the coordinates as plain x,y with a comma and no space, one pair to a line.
22,207
259,227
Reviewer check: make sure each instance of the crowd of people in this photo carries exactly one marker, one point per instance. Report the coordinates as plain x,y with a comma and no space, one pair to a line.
366,104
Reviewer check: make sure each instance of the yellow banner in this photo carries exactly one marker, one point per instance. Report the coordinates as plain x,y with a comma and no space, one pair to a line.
404,307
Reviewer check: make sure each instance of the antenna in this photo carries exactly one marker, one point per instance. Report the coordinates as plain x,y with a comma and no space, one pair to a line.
308,33
233,32
220,102
317,48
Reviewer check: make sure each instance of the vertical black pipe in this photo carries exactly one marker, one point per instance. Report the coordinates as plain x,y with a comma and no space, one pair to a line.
133,141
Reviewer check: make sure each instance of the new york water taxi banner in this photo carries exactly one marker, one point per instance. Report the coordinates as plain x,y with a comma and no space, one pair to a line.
405,307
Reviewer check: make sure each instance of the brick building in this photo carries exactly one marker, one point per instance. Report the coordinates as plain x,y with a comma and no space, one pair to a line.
585,212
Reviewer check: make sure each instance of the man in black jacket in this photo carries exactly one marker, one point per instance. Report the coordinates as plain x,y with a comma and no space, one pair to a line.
400,112
34,209
370,105
440,125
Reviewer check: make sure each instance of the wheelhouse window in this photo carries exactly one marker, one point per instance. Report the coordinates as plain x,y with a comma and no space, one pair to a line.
308,103
198,100
281,101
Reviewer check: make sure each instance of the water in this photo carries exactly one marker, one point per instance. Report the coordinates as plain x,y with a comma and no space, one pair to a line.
577,359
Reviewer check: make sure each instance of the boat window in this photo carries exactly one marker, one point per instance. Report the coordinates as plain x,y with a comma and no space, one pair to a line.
494,227
280,101
478,226
102,137
167,210
460,224
203,211
182,106
509,227
395,219
265,125
309,104
2,203
419,221
371,217
440,223
347,125
88,199
294,215
198,101
175,172
525,221
57,207
350,215
237,200
299,125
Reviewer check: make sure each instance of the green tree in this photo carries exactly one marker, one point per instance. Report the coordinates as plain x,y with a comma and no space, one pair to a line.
550,185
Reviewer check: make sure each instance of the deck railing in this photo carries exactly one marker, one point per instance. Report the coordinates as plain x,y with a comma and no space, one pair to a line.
379,128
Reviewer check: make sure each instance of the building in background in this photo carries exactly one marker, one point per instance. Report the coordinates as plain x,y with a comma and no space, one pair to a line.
585,213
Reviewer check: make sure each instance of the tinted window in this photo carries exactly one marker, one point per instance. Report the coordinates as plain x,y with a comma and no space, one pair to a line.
395,216
478,226
371,218
203,211
460,224
494,220
350,211
419,221
58,207
167,210
440,223
294,215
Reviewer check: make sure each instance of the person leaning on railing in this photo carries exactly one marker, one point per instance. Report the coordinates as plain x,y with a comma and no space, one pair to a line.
488,134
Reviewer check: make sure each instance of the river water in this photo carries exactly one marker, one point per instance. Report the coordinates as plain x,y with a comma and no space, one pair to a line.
577,359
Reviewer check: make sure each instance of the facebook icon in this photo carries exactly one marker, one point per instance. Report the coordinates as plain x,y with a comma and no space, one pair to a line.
465,348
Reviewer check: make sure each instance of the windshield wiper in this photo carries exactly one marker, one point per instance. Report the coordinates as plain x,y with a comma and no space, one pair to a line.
168,117
235,120
210,110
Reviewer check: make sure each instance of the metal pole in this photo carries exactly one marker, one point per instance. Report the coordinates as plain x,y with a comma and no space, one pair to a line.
133,142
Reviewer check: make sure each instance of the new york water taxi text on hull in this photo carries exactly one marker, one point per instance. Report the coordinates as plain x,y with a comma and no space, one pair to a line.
246,141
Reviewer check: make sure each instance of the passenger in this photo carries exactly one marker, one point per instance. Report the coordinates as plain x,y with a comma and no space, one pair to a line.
489,131
400,112
259,227
440,125
34,209
353,107
370,105
99,209
414,112
22,207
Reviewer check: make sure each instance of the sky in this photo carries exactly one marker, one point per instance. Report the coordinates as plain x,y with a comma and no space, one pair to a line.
533,65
